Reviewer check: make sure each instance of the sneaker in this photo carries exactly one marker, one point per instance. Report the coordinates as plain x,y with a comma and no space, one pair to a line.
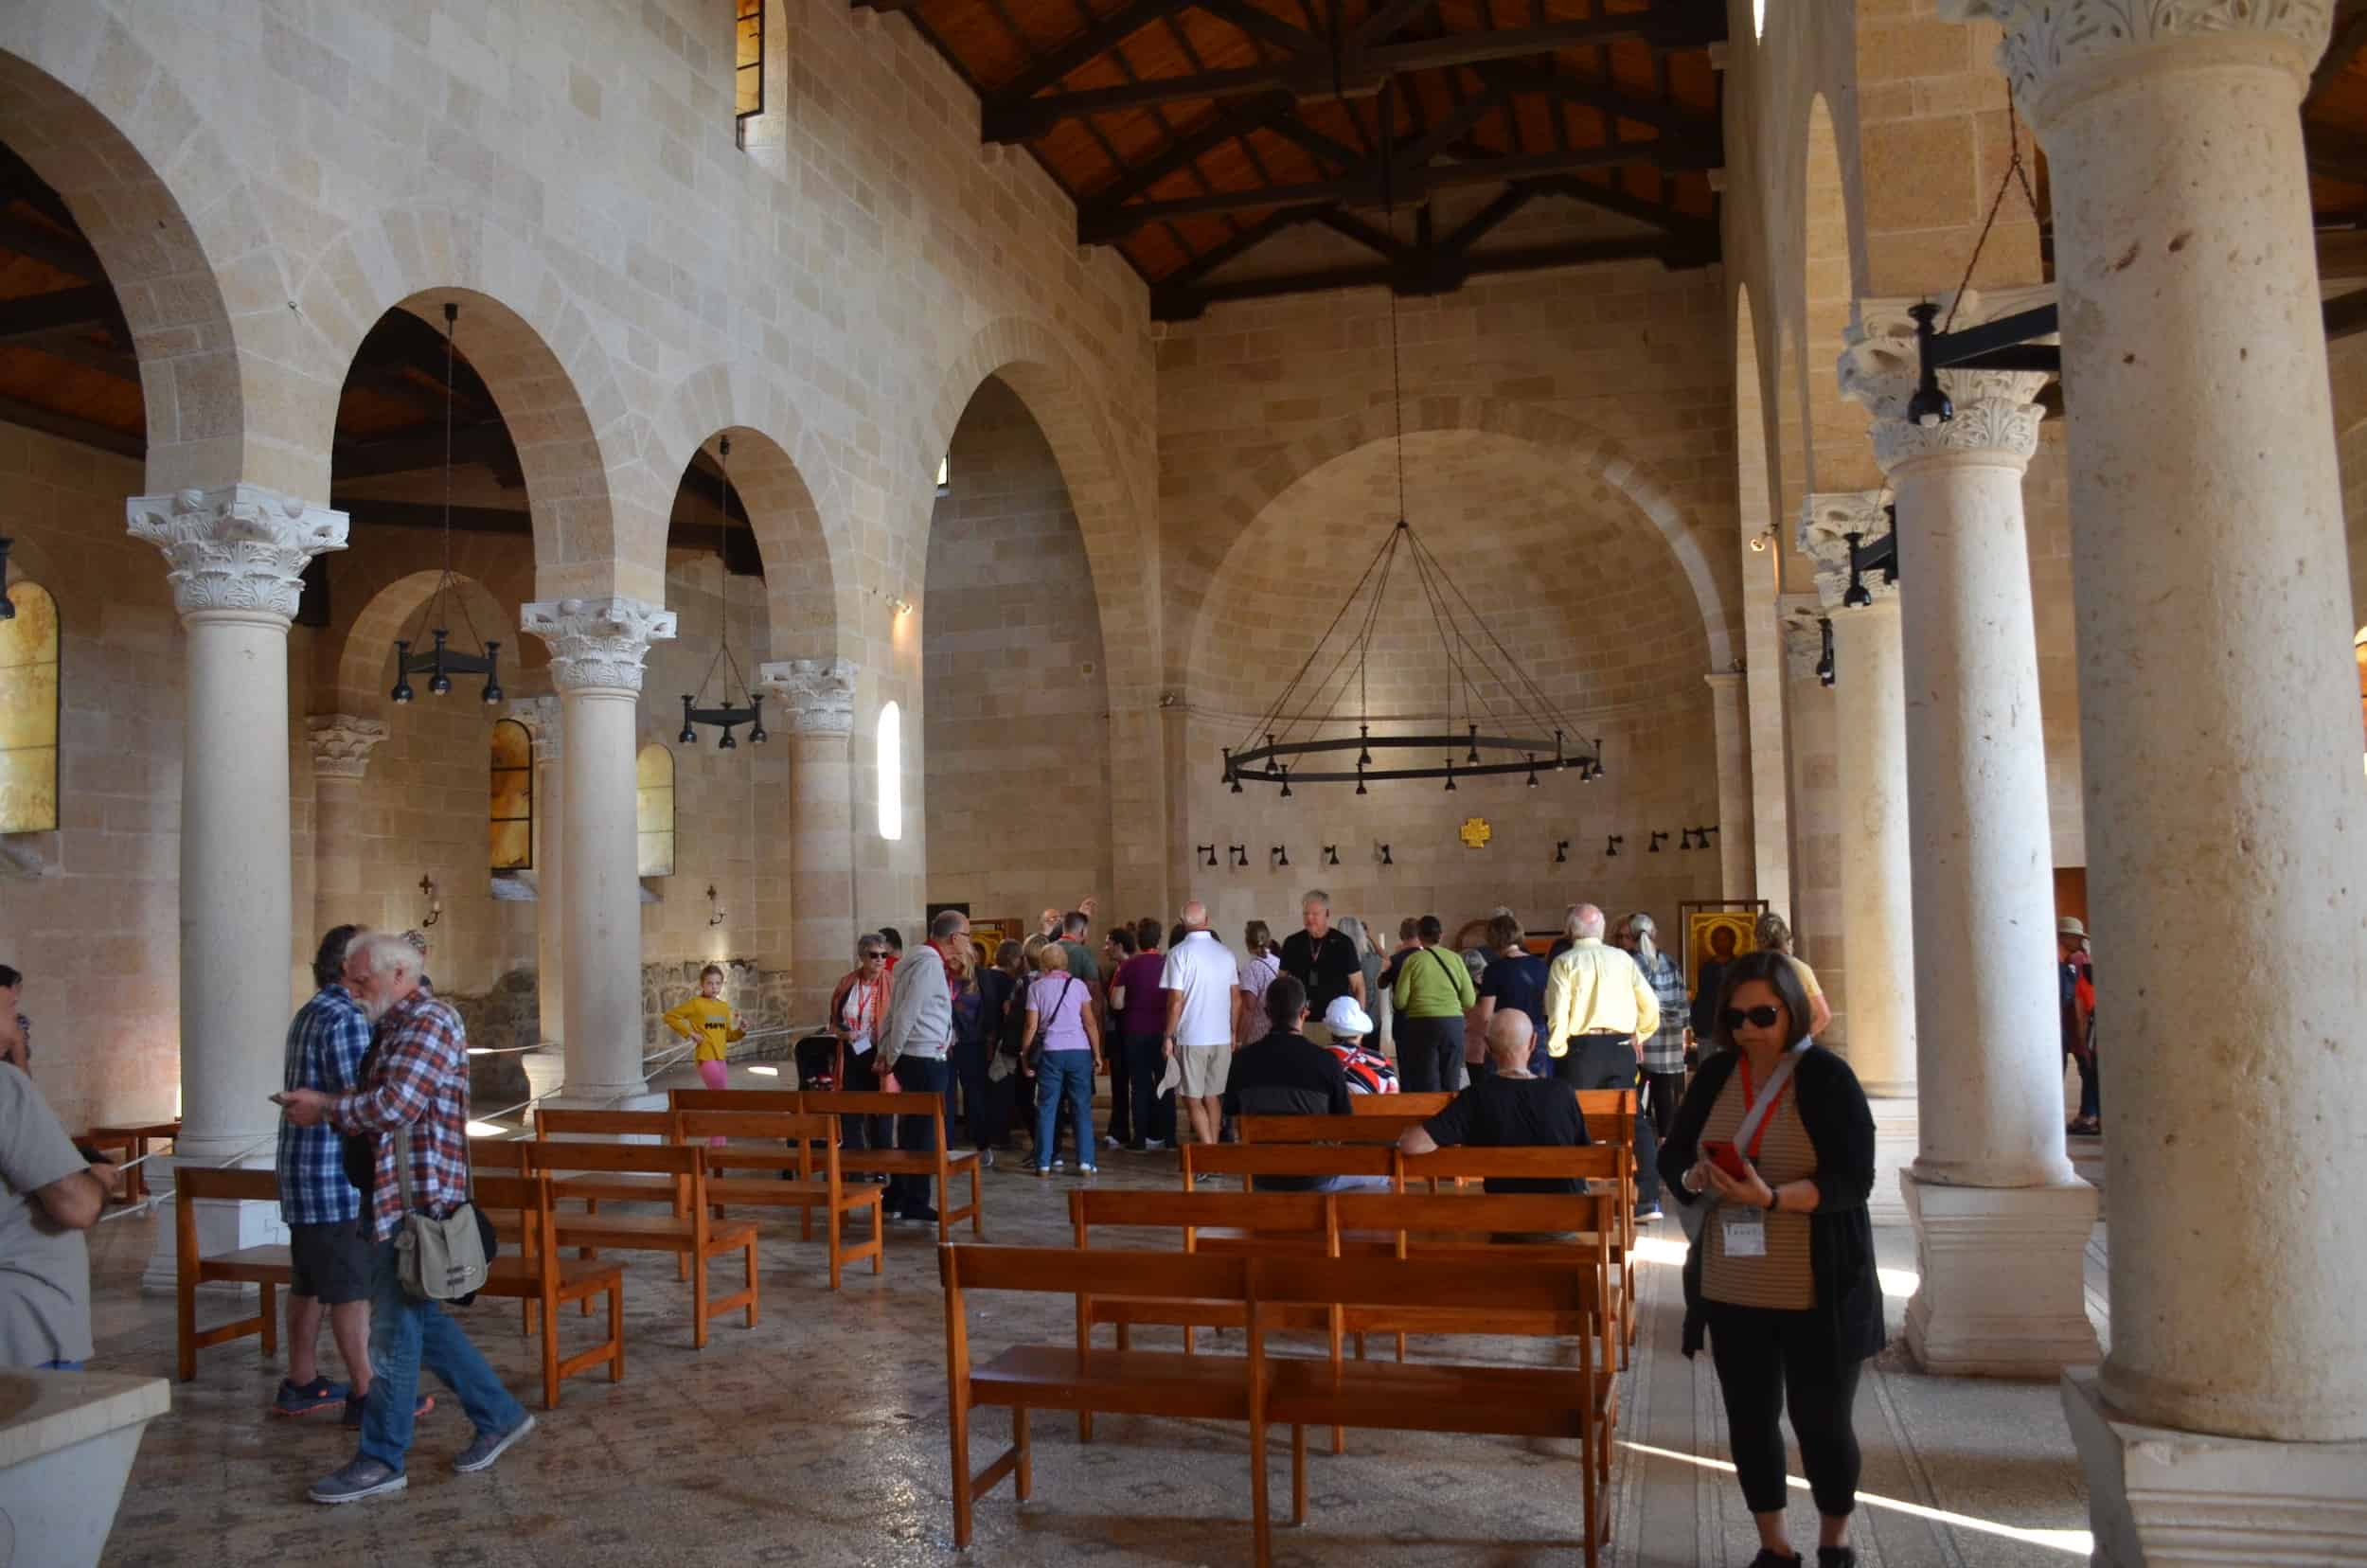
1770,1558
1646,1215
1060,1164
490,1446
1154,1146
317,1395
361,1479
1043,1170
985,1159
1109,1141
419,1407
1088,1170
1836,1556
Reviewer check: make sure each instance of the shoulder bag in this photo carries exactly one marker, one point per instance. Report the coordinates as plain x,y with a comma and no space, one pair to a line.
445,1259
1043,1025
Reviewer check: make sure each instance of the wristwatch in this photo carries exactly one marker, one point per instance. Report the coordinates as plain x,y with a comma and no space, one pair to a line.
1771,1200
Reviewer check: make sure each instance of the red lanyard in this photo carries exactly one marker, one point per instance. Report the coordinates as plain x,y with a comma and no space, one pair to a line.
1750,1097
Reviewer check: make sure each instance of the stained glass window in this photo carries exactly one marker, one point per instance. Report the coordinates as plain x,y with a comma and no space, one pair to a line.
29,713
654,799
512,796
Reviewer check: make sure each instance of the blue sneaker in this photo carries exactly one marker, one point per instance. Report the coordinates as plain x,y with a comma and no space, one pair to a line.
362,1478
419,1407
317,1395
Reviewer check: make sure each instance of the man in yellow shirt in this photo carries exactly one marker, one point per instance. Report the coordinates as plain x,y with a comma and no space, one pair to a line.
708,1019
1599,1010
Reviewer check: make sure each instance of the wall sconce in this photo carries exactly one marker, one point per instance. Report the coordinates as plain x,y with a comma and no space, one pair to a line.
900,606
1653,847
1240,854
1761,540
1281,856
1384,856
1610,845
1561,851
1331,854
1684,840
1824,668
1701,837
435,901
715,907
1208,853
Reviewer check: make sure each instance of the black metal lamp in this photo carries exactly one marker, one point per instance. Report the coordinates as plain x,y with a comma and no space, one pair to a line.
1610,845
1207,852
442,662
1653,847
1384,856
1824,668
1561,851
1331,854
1281,857
1240,853
725,716
1857,595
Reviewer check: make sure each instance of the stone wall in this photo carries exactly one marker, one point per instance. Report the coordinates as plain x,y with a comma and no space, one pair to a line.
1016,793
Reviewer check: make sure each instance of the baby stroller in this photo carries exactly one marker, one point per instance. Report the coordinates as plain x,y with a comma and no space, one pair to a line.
817,1062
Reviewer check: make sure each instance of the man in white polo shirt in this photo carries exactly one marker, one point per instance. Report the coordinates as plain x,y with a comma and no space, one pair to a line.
1198,979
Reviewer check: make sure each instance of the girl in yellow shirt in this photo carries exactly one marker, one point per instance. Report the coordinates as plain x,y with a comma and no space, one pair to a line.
708,1019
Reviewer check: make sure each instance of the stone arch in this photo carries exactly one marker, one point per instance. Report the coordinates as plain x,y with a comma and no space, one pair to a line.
1590,453
1841,455
358,680
1032,362
593,482
85,104
811,595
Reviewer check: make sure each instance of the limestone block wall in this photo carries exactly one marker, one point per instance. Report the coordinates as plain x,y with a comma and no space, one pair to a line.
1817,753
92,912
1016,734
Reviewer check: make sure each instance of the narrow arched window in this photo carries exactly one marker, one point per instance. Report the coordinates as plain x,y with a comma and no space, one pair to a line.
891,772
653,810
513,804
28,712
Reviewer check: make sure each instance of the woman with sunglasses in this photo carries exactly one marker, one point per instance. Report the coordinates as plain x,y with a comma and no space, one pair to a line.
1776,1139
859,1009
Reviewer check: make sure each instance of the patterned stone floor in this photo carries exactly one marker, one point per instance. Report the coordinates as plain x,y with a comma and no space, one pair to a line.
817,1438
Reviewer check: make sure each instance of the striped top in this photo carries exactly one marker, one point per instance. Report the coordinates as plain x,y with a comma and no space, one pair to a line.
1784,1279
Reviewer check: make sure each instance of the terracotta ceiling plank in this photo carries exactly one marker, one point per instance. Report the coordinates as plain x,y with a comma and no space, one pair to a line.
70,427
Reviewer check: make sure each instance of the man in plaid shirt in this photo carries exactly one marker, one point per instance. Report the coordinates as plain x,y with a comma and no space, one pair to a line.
417,1082
329,1253
1665,1052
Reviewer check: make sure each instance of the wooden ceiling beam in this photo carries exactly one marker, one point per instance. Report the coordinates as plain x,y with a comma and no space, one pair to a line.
1602,96
67,427
2333,153
1242,242
1677,226
1264,27
419,449
2350,36
1684,26
1050,68
1420,274
68,344
93,305
1386,18
68,253
1366,186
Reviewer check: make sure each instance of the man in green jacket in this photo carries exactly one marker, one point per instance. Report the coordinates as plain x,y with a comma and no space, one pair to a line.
1434,991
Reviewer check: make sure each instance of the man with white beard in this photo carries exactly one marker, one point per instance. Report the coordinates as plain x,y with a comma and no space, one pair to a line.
414,1081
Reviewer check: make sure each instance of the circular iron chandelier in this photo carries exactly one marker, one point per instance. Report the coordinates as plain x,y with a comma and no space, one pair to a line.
442,662
1506,724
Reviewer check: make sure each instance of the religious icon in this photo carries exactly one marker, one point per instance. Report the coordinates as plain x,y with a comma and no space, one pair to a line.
1716,937
1475,832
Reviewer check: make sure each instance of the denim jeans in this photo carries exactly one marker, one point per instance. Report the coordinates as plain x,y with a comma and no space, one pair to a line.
407,1335
917,1076
1146,1063
1064,1076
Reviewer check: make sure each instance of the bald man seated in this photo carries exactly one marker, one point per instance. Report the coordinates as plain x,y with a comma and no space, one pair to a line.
1510,1108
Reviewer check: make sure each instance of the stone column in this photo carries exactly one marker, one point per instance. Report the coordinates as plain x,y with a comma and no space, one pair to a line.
546,721
2220,743
1878,916
236,557
341,755
1737,873
818,697
2002,1224
597,648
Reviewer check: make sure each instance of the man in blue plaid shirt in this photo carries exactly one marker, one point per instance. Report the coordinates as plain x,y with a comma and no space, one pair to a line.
1665,1052
416,1085
330,1254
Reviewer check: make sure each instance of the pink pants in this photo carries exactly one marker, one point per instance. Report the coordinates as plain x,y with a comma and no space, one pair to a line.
714,1076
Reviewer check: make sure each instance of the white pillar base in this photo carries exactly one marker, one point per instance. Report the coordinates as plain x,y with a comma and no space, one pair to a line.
602,1097
222,1225
2159,1497
2002,1293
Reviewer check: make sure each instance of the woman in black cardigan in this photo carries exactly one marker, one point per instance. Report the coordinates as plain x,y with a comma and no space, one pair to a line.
1782,1274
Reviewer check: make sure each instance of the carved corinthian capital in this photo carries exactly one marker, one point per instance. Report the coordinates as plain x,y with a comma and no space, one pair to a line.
1994,410
597,642
818,694
2047,40
1826,524
340,744
241,548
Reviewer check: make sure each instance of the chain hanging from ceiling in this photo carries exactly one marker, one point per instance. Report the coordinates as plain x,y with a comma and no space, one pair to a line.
750,710
442,662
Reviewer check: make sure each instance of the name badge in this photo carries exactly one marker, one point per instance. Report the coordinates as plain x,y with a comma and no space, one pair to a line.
1745,1234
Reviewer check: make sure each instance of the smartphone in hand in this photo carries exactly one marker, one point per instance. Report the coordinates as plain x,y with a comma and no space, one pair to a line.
1726,1157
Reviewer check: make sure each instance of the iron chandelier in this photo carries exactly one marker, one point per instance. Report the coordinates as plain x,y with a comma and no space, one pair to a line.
751,708
442,662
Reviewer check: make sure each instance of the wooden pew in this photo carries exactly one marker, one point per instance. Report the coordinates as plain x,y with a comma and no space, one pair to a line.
1424,1105
942,1163
804,1136
1591,1163
1047,1377
1251,1160
1244,1222
690,1236
1558,1300
1611,1119
592,1186
267,1268
533,1272
1368,1129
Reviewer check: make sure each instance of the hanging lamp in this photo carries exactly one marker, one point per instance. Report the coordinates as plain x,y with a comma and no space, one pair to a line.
751,711
1496,716
442,662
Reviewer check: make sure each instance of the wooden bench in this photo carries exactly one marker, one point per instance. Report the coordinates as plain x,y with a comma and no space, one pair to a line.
267,1268
1558,1300
940,1162
805,1192
1248,1161
594,1187
1590,1164
1374,1130
533,1272
688,1236
1424,1105
1044,1377
1611,1119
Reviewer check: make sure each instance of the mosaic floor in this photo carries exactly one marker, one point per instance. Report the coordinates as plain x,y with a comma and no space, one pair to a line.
818,1438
